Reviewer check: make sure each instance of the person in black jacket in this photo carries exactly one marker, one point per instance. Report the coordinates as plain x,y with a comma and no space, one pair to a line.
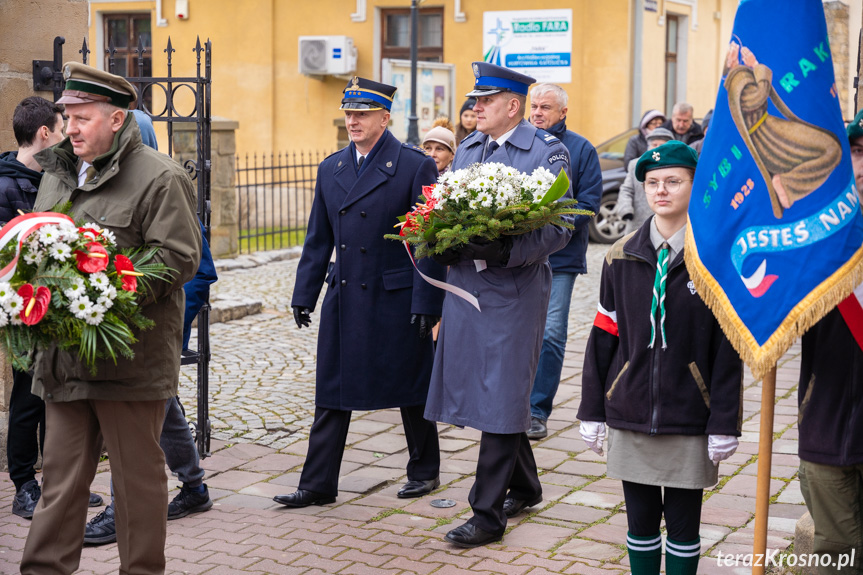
830,421
37,124
681,124
637,144
660,372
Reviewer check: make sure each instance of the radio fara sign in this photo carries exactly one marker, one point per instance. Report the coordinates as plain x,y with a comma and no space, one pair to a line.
534,42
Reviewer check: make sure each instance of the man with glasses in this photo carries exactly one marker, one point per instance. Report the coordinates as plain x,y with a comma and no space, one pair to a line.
659,371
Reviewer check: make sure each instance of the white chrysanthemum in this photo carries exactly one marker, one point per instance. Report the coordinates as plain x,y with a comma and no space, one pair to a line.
14,304
6,292
485,199
80,307
60,251
4,319
109,236
16,319
48,235
473,204
76,289
68,232
33,257
100,281
95,315
109,291
537,197
105,302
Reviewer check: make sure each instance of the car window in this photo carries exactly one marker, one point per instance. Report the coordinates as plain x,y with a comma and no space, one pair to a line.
614,148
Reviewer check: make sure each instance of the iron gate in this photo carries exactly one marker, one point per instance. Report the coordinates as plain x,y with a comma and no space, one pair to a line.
47,75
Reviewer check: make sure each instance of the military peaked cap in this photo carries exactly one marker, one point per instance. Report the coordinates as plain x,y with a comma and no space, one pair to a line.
491,79
85,84
362,94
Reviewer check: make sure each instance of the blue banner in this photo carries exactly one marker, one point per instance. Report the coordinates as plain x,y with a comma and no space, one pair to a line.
776,226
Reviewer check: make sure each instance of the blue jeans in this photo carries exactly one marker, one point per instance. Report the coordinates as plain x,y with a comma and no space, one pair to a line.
553,345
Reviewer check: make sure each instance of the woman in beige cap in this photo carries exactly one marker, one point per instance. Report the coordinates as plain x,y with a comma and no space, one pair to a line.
439,143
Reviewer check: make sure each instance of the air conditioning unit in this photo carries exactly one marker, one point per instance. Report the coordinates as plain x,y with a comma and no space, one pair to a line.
327,55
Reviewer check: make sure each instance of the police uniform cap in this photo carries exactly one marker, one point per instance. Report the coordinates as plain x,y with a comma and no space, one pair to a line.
363,94
855,128
673,154
85,84
491,79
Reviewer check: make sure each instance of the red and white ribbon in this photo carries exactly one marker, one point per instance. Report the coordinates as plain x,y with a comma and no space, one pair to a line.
19,229
851,309
457,291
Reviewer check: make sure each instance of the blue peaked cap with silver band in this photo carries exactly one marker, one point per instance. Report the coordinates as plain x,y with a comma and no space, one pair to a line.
491,79
362,94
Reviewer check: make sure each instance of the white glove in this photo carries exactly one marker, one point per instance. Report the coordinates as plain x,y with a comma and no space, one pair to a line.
721,447
593,434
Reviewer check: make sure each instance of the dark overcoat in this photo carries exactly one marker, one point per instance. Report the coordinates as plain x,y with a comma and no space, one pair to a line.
486,361
369,354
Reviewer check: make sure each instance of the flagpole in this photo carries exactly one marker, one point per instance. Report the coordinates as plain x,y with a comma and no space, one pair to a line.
765,457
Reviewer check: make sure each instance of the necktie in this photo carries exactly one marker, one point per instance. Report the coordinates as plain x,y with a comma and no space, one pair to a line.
492,147
360,162
659,296
91,173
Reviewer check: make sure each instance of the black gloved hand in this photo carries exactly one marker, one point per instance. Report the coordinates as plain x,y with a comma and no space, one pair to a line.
449,257
427,323
302,316
493,252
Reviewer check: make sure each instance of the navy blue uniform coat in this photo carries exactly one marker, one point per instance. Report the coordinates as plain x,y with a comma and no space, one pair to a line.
369,354
486,361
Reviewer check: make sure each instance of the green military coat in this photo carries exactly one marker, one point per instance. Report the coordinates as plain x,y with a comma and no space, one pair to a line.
146,199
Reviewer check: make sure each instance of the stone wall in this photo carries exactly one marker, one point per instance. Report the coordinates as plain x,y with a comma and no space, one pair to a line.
836,14
27,31
224,230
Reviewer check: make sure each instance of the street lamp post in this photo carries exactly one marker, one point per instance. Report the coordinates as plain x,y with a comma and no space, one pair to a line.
413,128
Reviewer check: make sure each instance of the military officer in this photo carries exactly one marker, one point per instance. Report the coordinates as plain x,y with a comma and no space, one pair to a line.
486,361
373,348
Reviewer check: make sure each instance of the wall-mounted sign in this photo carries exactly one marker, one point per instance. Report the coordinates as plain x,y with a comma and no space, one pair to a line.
435,84
650,6
534,42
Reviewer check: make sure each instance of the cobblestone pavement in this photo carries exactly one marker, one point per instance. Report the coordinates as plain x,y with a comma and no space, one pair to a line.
262,400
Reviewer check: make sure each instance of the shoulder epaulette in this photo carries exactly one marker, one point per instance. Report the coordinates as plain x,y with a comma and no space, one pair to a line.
616,251
414,148
549,139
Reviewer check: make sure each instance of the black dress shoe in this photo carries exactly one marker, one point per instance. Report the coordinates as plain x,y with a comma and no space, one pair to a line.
418,488
538,429
512,506
303,498
469,535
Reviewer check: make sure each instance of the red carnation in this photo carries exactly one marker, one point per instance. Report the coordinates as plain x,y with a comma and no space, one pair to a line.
35,304
95,259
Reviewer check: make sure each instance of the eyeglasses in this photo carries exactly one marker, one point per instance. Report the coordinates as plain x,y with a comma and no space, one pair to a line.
671,186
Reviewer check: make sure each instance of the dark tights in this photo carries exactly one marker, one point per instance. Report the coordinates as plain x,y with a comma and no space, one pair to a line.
645,507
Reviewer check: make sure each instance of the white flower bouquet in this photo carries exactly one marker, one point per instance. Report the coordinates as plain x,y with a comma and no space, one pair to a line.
485,201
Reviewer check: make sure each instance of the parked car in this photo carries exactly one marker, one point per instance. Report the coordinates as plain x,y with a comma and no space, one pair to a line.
606,227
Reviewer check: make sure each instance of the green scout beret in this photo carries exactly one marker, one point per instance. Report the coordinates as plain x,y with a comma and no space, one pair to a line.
85,84
855,128
673,154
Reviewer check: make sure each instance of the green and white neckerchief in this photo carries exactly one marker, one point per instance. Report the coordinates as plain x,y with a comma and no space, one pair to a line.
659,296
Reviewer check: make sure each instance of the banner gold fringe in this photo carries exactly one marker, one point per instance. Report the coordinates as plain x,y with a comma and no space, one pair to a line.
804,315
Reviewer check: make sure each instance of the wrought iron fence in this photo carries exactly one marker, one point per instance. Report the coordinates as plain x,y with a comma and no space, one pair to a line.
275,195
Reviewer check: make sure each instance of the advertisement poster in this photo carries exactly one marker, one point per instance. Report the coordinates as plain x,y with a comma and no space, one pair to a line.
435,84
534,42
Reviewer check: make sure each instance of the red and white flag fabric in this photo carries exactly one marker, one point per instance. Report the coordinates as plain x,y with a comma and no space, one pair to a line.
851,309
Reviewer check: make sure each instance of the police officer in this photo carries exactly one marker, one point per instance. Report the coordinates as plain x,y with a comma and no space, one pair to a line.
486,361
373,348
